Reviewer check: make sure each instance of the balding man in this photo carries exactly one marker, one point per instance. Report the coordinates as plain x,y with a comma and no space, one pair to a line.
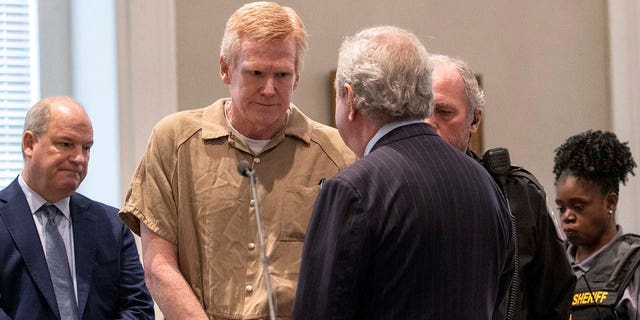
64,256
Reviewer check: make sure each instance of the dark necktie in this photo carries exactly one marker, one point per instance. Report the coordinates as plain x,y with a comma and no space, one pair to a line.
59,265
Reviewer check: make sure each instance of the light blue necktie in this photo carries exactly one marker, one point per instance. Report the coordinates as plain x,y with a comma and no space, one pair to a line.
59,265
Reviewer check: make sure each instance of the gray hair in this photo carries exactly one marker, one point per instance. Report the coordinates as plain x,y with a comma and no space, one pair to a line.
474,96
37,118
389,71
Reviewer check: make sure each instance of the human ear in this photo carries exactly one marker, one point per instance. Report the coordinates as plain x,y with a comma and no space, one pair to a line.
611,201
296,80
28,141
224,71
350,100
477,117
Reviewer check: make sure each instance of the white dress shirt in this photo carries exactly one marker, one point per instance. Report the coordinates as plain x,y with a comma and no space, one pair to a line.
65,227
386,129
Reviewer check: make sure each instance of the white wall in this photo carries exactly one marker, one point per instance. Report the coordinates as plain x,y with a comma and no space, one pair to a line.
624,32
55,47
77,59
94,78
146,75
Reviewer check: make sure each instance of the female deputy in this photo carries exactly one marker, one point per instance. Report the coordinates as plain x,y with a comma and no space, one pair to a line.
588,170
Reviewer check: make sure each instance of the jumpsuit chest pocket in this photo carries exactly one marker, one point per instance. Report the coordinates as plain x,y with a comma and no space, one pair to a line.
296,210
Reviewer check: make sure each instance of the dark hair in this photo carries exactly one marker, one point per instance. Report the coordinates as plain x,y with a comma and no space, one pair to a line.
596,156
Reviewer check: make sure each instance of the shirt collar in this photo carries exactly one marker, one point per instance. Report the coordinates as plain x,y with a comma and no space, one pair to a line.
36,201
214,123
386,129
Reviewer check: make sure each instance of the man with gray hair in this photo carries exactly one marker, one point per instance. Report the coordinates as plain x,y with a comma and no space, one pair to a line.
546,279
458,109
414,229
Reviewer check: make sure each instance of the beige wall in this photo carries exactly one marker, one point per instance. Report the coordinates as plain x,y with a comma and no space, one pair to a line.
544,63
624,44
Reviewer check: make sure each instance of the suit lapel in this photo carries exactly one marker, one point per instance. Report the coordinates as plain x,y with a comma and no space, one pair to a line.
84,230
16,214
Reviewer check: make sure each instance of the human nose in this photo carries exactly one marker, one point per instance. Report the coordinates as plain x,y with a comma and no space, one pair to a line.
568,217
269,87
79,155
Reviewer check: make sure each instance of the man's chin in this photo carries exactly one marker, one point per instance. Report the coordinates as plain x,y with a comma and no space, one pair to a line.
69,186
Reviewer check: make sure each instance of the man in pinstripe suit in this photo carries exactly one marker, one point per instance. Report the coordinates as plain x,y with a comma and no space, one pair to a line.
415,229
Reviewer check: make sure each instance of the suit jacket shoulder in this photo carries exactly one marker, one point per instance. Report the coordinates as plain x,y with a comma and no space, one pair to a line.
109,276
110,279
389,232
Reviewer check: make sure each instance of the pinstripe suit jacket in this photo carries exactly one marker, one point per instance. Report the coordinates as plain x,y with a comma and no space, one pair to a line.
414,230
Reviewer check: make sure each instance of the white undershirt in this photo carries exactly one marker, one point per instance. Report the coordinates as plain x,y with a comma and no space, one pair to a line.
255,145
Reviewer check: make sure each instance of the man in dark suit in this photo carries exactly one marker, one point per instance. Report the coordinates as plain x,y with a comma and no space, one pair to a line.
64,256
414,229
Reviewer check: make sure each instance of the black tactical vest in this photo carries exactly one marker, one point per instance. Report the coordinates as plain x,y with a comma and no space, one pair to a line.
599,290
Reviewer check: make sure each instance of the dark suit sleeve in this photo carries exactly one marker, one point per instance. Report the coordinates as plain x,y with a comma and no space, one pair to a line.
332,279
134,300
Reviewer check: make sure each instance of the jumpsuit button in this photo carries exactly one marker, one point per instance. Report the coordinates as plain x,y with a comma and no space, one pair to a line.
248,288
251,246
